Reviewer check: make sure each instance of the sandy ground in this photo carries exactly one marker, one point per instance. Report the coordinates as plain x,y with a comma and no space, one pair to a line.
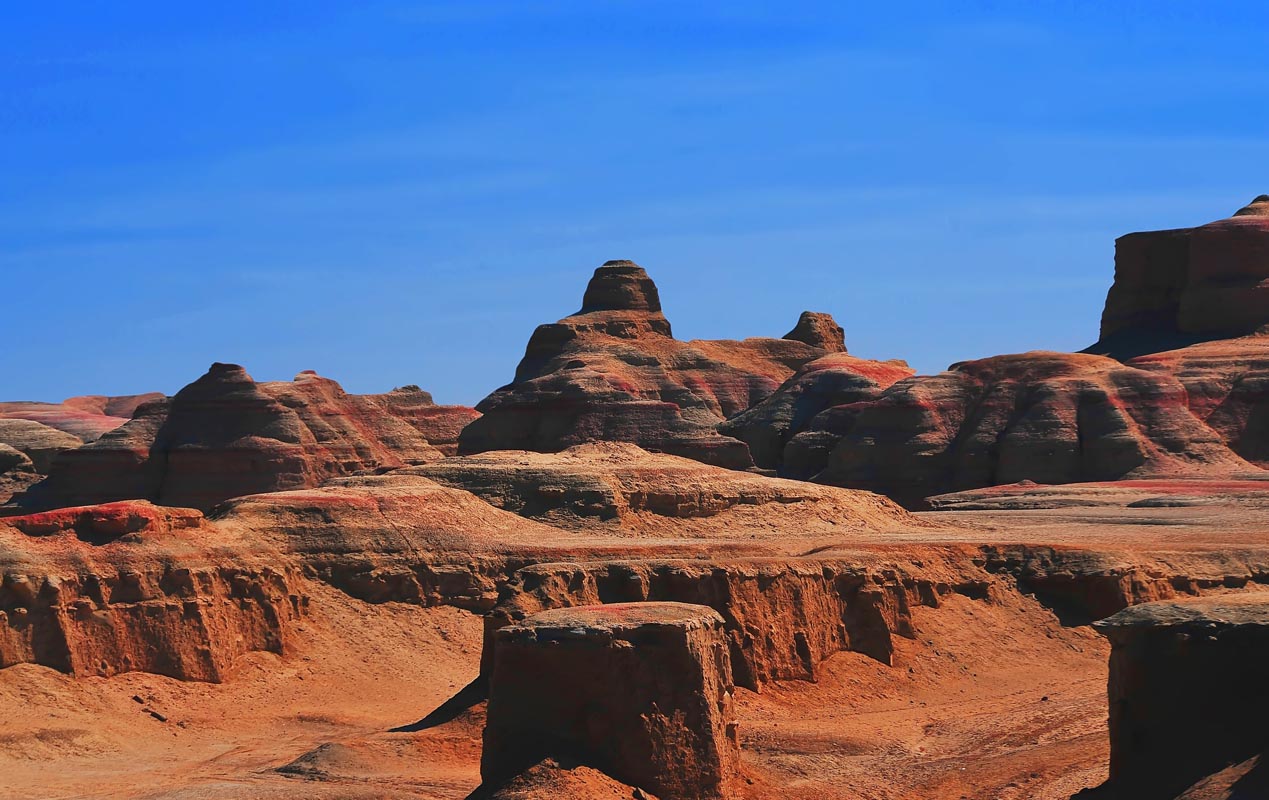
961,713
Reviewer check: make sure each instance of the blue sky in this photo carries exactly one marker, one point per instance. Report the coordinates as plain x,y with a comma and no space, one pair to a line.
397,192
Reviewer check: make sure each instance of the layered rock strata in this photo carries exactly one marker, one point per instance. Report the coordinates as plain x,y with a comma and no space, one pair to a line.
225,435
640,691
86,417
614,372
1186,692
130,586
1043,417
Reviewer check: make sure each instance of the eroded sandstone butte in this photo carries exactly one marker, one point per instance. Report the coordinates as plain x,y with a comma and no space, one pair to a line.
614,372
225,435
594,685
1187,697
86,417
1178,386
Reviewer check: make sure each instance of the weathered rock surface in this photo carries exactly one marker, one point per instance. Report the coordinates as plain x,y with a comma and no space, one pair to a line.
17,473
794,429
130,586
1205,281
819,330
614,372
1227,386
640,691
439,425
226,436
86,417
1044,417
622,489
1186,691
38,441
550,780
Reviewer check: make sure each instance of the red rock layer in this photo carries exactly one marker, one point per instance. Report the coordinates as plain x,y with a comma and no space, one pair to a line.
226,435
439,425
129,586
84,417
1227,386
614,372
1044,417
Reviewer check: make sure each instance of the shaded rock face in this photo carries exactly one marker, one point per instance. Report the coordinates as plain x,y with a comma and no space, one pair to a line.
38,441
226,435
1213,279
17,473
1043,417
614,372
640,691
1186,691
793,430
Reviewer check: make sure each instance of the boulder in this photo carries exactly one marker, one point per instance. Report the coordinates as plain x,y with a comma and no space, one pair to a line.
614,372
639,691
1186,691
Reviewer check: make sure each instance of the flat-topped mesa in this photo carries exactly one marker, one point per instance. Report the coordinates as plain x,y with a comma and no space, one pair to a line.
614,372
641,691
225,435
1186,692
819,329
1189,283
620,285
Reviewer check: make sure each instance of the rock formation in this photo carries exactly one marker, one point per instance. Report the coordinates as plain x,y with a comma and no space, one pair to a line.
794,429
86,417
38,441
439,425
1186,692
614,372
17,473
640,691
1044,417
1192,282
819,330
622,490
226,435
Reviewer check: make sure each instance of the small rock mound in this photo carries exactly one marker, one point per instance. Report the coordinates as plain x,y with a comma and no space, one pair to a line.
589,684
621,286
819,330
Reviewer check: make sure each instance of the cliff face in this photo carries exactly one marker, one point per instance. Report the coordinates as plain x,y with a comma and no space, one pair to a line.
614,372
225,435
1204,281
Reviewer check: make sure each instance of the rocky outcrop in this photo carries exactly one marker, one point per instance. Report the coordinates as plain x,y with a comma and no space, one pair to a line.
589,684
17,473
86,418
1198,282
38,441
1186,692
551,780
794,429
614,372
783,617
129,586
439,425
1227,386
622,489
1043,417
226,436
819,330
